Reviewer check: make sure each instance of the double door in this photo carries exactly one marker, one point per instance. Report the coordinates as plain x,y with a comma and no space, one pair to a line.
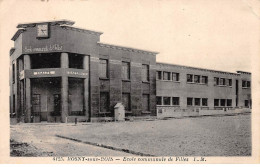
40,105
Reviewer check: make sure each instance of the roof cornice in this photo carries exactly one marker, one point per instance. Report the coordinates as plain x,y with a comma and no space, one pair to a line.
127,48
81,30
57,22
201,69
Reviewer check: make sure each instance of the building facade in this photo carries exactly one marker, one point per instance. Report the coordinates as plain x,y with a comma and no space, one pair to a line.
182,87
59,72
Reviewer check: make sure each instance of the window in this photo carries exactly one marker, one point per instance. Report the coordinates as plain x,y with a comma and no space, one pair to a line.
166,76
175,101
204,79
13,104
204,102
166,100
222,81
145,73
125,70
197,101
159,75
189,78
104,102
229,102
248,84
126,101
175,76
229,82
189,101
13,72
243,84
103,68
76,61
246,103
146,102
196,78
216,80
158,100
216,102
223,102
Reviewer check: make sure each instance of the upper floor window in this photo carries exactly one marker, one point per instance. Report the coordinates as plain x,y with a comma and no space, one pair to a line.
196,78
175,76
166,75
216,81
126,70
222,81
248,84
145,73
229,82
13,72
204,79
189,78
103,68
159,75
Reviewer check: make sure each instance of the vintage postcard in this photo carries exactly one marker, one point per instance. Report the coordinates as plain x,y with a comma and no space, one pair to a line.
108,82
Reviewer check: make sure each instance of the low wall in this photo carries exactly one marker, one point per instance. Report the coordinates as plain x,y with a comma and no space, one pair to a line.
176,112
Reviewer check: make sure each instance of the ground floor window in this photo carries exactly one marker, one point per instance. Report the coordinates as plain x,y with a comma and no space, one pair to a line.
175,101
126,101
76,96
36,104
13,105
204,102
146,102
246,103
189,101
216,102
158,100
229,102
197,101
104,102
166,100
223,102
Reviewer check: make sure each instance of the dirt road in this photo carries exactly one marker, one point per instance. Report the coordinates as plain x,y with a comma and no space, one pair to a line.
203,136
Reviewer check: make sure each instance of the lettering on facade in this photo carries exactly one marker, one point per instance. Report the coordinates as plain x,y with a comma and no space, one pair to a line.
77,73
44,73
47,48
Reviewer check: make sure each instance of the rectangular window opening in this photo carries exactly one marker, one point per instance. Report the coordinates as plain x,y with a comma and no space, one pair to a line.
175,101
166,100
145,73
125,70
189,101
175,76
103,68
158,100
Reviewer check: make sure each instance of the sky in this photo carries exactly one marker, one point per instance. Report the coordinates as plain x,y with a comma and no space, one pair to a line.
216,34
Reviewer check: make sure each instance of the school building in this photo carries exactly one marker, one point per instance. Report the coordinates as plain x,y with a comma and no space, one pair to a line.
59,72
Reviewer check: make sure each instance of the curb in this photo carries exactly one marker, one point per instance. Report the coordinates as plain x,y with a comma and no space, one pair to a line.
107,147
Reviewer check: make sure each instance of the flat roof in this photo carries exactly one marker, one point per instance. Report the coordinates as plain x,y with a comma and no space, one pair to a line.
54,22
126,48
203,69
